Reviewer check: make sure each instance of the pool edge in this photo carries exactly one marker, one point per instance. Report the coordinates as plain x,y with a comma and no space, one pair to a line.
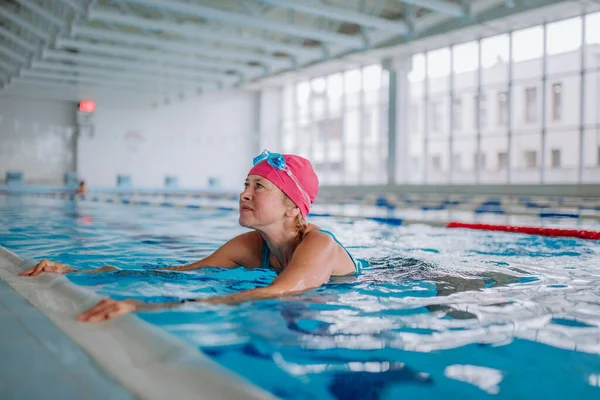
147,361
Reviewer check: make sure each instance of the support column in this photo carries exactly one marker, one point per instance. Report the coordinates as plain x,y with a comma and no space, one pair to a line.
399,96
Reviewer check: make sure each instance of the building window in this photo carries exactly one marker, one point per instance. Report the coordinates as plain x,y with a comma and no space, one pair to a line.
502,108
480,111
436,116
557,102
531,159
555,158
530,105
502,160
479,161
457,113
436,163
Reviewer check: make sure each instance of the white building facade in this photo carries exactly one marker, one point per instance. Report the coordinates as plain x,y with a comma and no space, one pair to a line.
519,108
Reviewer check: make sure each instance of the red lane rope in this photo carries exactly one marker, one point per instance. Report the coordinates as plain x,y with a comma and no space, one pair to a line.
529,230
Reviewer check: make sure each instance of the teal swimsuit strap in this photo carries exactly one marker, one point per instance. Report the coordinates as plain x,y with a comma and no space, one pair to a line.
357,263
266,256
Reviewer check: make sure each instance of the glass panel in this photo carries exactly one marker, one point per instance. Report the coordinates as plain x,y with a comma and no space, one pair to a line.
437,159
417,73
562,155
414,164
526,105
494,160
302,97
288,137
592,99
374,165
463,169
352,128
372,77
352,165
563,46
592,36
335,92
528,47
288,102
438,70
526,158
591,156
563,102
352,87
494,60
465,60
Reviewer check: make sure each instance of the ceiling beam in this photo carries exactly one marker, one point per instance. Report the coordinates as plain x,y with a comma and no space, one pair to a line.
341,14
116,73
153,56
94,80
154,67
216,14
74,5
197,33
175,50
20,22
21,59
7,67
48,16
441,6
18,40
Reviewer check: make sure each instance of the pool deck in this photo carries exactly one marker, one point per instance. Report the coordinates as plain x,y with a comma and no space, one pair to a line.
45,353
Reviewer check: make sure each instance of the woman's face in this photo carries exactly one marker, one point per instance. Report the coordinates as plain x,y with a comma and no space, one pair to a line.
261,203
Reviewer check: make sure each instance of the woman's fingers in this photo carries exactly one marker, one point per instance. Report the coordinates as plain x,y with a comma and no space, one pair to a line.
107,309
46,266
37,269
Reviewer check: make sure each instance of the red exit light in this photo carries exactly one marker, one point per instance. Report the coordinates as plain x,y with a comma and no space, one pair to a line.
87,106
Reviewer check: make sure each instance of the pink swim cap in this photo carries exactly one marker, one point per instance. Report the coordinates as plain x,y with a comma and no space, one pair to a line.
305,176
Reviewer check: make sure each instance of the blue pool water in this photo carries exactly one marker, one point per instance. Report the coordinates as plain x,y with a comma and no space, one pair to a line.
465,314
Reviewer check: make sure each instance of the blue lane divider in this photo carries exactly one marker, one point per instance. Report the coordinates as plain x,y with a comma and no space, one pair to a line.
389,221
558,215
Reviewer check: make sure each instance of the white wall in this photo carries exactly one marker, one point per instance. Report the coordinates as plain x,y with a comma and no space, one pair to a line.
212,136
37,138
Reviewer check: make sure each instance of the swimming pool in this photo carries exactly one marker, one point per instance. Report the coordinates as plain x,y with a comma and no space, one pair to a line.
441,312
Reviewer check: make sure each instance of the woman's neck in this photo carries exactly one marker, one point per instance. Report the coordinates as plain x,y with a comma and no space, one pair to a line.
282,244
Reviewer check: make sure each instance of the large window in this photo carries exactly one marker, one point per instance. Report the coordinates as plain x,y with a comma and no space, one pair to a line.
502,108
556,101
339,122
530,105
525,99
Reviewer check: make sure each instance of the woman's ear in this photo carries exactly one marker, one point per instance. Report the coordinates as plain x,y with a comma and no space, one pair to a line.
292,211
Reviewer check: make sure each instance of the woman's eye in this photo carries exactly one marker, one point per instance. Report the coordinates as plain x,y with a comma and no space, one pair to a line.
259,185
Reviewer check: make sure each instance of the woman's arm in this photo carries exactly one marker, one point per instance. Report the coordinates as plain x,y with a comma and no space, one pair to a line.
310,267
58,268
240,250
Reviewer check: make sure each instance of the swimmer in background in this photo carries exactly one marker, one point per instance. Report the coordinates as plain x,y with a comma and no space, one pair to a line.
279,191
82,189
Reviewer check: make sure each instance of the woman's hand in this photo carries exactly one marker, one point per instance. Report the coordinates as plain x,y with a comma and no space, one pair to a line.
47,266
108,309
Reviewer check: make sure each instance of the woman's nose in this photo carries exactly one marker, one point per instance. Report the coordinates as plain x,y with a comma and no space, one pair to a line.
245,195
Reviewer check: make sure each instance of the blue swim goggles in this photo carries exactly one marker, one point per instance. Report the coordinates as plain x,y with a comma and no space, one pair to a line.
277,161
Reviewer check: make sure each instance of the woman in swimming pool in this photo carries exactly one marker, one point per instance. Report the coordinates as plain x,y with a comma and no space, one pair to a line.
279,191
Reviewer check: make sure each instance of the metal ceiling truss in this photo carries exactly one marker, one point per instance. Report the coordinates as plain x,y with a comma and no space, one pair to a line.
172,48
